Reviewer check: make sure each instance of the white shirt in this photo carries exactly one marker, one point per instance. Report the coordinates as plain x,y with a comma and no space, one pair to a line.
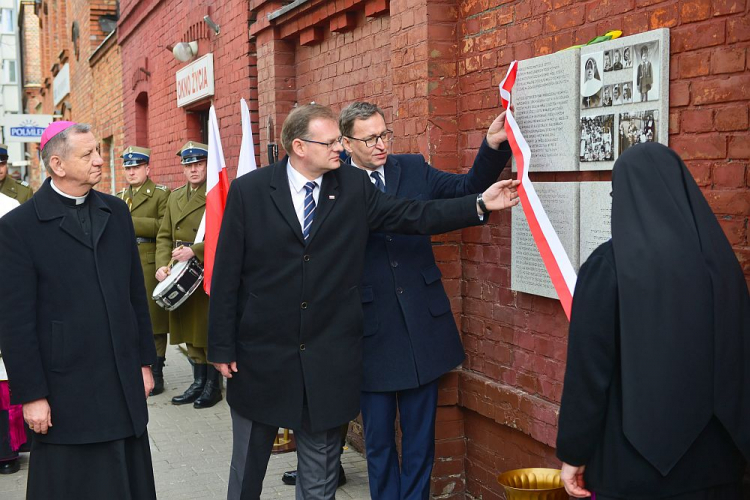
79,199
297,183
380,170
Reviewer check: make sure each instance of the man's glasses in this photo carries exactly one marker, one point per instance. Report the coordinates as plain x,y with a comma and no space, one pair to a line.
371,142
329,145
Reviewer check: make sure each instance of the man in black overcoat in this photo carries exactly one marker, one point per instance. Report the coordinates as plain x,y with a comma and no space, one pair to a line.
77,339
285,318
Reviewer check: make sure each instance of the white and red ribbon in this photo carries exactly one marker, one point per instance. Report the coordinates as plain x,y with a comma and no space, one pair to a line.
553,254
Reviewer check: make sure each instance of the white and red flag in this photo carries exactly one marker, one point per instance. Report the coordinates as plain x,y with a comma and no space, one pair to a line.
217,188
553,254
217,184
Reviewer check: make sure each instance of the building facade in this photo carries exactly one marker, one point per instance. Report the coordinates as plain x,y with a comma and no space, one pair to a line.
10,82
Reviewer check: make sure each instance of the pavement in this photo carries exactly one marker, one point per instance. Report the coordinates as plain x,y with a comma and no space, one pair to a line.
191,450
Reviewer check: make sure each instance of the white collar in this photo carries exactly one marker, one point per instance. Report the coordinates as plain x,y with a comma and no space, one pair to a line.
297,180
79,199
380,170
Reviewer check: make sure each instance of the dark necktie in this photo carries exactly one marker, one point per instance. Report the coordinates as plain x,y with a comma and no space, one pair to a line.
378,181
309,209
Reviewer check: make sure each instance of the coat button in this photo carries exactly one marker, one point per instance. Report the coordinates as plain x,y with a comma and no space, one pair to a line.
303,305
306,258
302,347
389,238
394,263
399,290
178,228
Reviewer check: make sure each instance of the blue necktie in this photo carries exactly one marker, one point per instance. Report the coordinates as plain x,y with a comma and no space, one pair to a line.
378,182
309,208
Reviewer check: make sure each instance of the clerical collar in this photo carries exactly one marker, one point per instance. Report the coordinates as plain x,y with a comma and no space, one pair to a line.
78,199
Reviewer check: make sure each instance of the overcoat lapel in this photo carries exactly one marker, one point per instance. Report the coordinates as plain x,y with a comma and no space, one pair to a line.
328,196
71,226
282,198
99,216
143,194
392,175
197,201
48,208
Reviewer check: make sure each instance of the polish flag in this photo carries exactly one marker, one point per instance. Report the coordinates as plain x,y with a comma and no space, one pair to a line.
217,184
217,188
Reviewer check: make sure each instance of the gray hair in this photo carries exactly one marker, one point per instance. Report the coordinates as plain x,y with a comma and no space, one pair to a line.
297,124
58,145
356,111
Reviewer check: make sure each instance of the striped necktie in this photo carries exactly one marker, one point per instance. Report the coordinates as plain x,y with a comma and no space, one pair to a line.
309,208
377,180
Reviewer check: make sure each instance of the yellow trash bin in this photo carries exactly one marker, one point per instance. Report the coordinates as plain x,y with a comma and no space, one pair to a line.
533,484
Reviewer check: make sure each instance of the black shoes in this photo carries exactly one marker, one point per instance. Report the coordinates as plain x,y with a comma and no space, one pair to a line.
196,388
290,477
212,391
10,467
158,371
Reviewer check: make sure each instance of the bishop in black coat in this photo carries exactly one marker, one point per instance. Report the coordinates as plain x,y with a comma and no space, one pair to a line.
75,331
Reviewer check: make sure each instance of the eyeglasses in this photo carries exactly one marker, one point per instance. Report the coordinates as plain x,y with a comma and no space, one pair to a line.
371,142
329,145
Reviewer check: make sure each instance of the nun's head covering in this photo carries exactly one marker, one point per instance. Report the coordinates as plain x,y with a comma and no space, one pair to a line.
684,310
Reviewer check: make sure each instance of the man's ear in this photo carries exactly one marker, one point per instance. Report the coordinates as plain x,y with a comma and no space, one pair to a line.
298,146
55,164
347,143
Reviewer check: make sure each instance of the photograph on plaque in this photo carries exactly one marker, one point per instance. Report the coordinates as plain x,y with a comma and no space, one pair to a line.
607,96
627,92
646,72
597,138
638,126
591,80
608,61
627,57
616,95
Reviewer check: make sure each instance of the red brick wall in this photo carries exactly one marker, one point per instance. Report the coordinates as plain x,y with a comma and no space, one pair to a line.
516,343
444,61
146,29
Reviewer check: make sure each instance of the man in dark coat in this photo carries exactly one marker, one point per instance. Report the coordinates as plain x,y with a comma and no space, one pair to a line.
77,339
285,319
410,339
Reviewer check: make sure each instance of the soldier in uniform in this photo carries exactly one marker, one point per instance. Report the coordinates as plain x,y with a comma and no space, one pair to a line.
147,202
176,241
18,190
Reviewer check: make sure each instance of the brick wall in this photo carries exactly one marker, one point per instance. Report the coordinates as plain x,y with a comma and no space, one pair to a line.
146,29
32,76
444,61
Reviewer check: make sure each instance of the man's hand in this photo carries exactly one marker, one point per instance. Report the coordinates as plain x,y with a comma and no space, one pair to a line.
162,273
38,415
496,133
181,254
148,379
226,369
572,478
500,195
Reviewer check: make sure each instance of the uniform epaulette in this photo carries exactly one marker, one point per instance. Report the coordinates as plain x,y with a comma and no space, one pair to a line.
121,192
24,183
159,186
179,188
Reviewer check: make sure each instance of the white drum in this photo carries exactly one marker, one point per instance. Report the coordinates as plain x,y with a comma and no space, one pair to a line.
184,278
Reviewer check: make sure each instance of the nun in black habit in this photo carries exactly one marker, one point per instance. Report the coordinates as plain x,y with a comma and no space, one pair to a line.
656,401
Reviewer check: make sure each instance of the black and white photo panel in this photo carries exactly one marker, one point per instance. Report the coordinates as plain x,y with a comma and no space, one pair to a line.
637,127
646,72
597,138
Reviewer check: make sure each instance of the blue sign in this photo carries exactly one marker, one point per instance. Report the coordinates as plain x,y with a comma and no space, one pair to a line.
27,131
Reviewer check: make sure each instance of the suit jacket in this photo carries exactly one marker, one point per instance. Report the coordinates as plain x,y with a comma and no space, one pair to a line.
17,190
590,430
410,339
75,327
189,322
147,210
289,312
